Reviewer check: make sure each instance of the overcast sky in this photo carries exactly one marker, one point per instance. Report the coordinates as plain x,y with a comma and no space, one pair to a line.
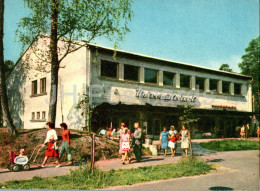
201,32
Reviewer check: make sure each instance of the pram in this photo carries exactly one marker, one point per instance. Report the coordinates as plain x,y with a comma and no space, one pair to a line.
18,163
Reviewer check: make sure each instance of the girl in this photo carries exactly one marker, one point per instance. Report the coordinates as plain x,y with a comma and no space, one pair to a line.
242,132
185,136
172,143
164,140
51,139
65,143
125,141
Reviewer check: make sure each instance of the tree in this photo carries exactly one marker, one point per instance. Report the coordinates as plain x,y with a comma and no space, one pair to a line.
189,119
8,67
69,20
250,66
3,90
225,67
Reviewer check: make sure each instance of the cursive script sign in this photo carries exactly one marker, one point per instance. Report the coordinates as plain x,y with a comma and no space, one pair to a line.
167,96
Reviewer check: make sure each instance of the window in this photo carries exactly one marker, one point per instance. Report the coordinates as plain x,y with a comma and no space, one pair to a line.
225,87
33,115
43,85
34,87
168,78
200,83
213,85
150,76
237,89
109,69
184,81
43,115
38,115
131,72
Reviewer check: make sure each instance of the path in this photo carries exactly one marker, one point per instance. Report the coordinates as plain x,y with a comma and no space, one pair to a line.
239,171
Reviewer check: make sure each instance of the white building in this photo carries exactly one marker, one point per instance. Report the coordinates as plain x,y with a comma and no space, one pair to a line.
130,87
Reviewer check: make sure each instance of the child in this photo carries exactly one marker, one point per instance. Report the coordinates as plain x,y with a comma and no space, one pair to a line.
242,132
172,143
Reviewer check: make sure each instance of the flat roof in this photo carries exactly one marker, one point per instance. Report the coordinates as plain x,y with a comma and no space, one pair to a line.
171,62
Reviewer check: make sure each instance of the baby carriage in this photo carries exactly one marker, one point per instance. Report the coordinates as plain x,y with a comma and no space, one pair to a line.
21,162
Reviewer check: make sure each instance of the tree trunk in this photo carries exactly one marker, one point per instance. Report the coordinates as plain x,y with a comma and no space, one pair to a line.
54,61
3,90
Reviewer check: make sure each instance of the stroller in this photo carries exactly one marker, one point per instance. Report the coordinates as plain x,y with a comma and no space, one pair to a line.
18,163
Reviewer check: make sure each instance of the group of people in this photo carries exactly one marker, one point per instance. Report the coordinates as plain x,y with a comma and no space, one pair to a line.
169,140
127,139
52,148
244,131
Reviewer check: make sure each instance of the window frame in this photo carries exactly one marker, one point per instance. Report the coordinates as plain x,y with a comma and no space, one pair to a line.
110,62
138,72
33,115
240,89
203,84
228,85
188,81
34,87
43,85
157,76
173,79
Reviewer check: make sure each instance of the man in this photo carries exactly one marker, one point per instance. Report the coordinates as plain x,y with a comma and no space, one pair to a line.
137,142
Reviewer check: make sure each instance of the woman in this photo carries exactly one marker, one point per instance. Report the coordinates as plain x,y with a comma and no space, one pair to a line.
164,140
121,131
125,142
51,139
242,132
185,136
65,146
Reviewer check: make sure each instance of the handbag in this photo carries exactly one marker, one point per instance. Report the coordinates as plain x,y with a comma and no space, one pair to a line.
159,147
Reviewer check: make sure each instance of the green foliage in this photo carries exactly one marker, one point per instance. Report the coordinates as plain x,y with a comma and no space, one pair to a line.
188,118
225,67
8,67
83,179
250,66
231,145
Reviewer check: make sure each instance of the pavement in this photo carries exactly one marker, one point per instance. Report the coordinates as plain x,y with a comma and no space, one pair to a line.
237,170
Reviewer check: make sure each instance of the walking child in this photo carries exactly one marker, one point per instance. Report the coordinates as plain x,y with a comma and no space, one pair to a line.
172,143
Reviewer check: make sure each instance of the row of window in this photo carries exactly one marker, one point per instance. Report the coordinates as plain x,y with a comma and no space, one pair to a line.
38,116
132,73
42,86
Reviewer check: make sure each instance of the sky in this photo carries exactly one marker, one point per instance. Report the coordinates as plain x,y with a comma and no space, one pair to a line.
201,32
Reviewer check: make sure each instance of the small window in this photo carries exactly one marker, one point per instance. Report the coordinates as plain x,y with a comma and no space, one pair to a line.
33,115
200,83
225,87
185,81
43,85
237,89
150,76
131,72
213,85
34,87
109,69
168,78
43,115
38,115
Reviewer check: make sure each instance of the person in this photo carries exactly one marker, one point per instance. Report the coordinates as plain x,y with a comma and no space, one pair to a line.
258,131
172,143
51,139
121,131
125,141
22,152
164,140
172,129
65,146
242,132
246,130
185,136
137,142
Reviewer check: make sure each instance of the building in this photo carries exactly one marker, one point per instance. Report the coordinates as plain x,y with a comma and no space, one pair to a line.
128,87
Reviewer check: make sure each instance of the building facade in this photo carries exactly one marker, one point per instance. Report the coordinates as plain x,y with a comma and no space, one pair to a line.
130,87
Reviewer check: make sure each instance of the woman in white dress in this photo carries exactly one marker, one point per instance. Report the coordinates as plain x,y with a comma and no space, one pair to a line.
185,137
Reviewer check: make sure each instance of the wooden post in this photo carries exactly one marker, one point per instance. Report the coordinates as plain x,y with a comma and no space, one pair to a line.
93,153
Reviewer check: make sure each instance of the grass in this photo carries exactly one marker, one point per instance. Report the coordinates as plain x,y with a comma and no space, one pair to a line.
83,179
231,145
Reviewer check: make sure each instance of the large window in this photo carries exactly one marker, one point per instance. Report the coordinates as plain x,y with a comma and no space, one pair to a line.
213,85
131,72
43,85
34,87
109,69
200,83
237,89
168,78
150,76
225,87
185,81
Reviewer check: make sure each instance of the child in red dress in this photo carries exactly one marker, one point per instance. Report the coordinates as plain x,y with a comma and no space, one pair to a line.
173,143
